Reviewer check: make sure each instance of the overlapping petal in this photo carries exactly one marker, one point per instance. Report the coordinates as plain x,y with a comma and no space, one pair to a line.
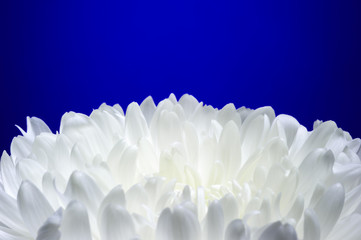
181,170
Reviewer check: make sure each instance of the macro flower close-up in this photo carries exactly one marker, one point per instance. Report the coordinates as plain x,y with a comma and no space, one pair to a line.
181,170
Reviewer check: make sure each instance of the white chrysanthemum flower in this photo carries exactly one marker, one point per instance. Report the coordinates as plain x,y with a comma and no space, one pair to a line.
181,171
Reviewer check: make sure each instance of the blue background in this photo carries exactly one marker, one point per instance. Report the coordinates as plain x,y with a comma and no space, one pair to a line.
302,58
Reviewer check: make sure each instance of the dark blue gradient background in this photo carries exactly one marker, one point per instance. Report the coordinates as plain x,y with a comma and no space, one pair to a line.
303,58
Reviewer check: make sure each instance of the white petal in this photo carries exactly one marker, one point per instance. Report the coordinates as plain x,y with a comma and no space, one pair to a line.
20,148
347,229
116,223
317,193
229,113
288,126
352,200
101,174
115,196
202,118
30,170
49,190
191,141
206,159
318,139
61,156
43,147
265,212
230,149
276,177
215,130
317,123
136,197
337,142
82,188
316,167
289,188
253,134
279,231
82,129
106,108
311,226
189,104
354,144
34,207
214,222
118,108
107,121
230,207
267,111
10,234
164,225
50,229
34,126
244,112
236,230
329,207
300,138
166,196
181,224
172,98
275,150
135,123
75,223
169,129
186,194
115,154
201,202
125,170
153,187
77,158
72,120
8,174
179,111
296,209
148,108
353,157
349,175
9,213
147,159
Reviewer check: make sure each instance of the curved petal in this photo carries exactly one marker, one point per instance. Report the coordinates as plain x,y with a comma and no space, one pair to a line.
236,230
279,231
10,234
311,226
329,207
179,224
347,229
10,179
116,223
229,149
33,206
9,213
148,108
135,124
318,139
50,229
115,196
82,188
189,104
214,222
34,126
75,224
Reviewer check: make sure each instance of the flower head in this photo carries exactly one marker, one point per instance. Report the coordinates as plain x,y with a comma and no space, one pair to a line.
181,170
